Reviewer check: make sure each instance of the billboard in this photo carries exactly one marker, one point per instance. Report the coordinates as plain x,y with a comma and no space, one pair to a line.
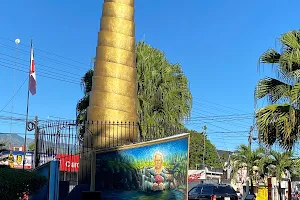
15,159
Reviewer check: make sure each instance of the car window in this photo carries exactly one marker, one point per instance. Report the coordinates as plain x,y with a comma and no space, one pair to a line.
201,190
206,190
224,190
195,190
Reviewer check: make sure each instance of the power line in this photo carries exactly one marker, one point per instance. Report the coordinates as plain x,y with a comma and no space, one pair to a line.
47,66
232,115
219,104
14,95
46,52
195,111
228,131
220,117
40,118
48,59
202,106
3,133
45,76
64,76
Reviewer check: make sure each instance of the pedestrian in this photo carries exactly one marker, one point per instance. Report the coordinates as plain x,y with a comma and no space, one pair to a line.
295,196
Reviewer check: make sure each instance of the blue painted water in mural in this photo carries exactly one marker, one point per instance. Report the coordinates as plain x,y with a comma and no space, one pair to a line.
156,171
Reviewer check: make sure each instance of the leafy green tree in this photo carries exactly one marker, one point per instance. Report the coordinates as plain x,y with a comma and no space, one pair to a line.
279,121
162,90
196,152
31,147
223,158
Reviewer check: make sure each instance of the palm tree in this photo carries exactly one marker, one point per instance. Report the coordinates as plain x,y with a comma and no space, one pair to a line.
279,163
83,103
163,95
244,157
81,108
279,121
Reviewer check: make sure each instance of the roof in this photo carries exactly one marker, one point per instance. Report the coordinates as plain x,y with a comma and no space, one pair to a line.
223,152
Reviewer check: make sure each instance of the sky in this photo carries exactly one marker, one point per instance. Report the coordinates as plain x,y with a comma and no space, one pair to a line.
217,43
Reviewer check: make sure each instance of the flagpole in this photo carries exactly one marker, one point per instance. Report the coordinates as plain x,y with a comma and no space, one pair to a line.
27,108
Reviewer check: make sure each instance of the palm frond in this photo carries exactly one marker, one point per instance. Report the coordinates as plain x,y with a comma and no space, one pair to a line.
277,122
271,56
86,81
295,94
273,89
281,122
291,39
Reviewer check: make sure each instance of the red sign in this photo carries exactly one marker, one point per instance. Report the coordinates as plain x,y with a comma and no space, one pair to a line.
68,163
196,177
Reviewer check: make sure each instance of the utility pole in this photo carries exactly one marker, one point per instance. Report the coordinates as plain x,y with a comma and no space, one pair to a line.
36,140
250,137
204,150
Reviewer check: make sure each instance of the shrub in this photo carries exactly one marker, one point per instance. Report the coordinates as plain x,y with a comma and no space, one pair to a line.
14,183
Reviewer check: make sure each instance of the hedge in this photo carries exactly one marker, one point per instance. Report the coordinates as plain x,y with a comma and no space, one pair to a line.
14,183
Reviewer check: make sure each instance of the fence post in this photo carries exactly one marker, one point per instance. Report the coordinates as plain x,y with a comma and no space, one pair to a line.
93,165
93,170
36,149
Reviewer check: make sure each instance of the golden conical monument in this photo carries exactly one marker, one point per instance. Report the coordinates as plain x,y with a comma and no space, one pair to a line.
113,96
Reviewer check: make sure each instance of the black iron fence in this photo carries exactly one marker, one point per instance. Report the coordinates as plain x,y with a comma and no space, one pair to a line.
69,137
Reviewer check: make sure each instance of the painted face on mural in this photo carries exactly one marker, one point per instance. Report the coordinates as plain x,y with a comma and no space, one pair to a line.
158,160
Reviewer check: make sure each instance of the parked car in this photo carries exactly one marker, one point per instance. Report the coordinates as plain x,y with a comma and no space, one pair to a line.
212,192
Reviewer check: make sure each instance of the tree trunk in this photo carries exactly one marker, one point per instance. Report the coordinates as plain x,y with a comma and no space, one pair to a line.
247,190
251,187
279,191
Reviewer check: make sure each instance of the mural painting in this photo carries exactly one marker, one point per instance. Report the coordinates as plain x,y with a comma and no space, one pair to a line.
153,171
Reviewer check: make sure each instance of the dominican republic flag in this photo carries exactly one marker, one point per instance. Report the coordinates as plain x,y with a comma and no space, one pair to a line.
32,77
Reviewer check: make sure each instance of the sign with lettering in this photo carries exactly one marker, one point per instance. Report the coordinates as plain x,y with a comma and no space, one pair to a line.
196,175
68,163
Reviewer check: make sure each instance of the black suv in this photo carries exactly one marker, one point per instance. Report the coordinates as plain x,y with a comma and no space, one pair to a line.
212,191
